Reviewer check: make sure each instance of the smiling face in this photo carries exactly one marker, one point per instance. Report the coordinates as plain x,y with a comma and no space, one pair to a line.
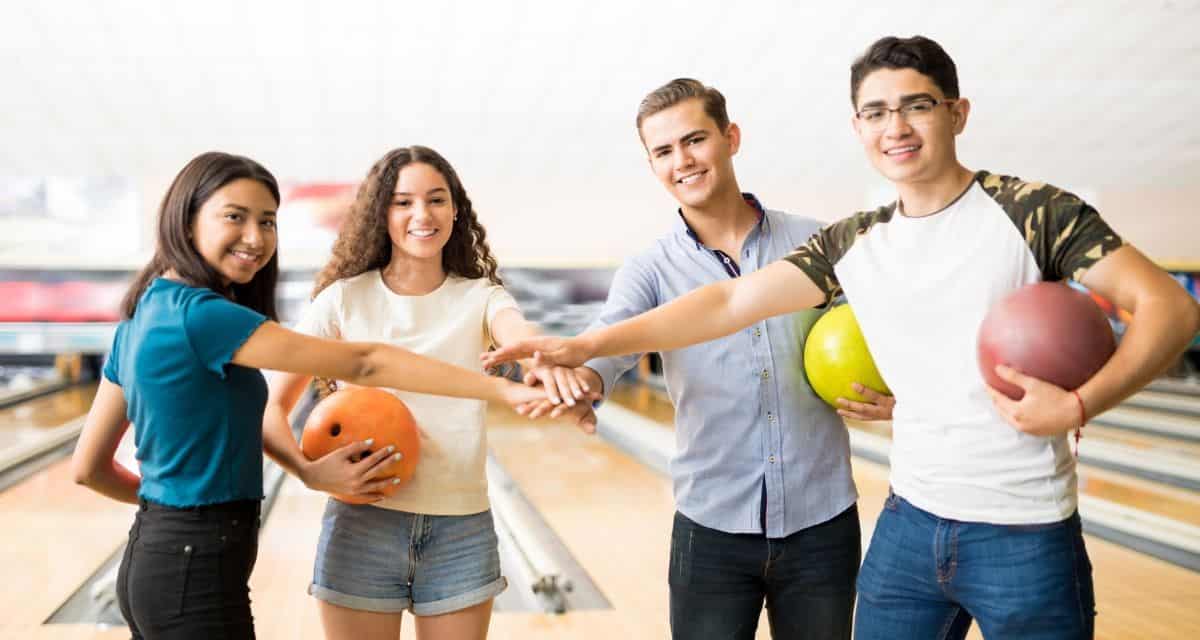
234,230
421,215
904,151
690,156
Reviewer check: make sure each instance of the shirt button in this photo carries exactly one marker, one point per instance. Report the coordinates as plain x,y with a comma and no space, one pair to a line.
187,548
765,374
770,417
771,459
757,332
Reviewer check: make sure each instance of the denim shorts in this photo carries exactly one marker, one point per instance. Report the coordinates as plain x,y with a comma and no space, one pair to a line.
386,561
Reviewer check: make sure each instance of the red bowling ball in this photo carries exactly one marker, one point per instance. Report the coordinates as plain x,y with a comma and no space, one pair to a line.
1046,330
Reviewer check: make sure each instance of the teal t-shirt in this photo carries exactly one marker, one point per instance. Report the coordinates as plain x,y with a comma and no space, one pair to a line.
197,418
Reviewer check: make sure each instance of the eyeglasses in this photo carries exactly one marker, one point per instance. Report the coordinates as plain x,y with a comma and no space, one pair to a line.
915,112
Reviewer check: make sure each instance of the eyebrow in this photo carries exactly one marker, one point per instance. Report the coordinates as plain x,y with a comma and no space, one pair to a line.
683,137
430,192
246,210
904,99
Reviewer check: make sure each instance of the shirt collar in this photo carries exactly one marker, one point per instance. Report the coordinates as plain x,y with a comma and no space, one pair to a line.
686,228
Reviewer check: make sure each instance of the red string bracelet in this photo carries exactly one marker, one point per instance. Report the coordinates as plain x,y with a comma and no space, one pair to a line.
1082,420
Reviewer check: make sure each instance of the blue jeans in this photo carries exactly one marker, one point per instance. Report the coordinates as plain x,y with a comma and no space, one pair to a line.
927,577
719,581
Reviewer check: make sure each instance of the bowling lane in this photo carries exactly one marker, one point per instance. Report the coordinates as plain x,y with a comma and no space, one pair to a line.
29,421
1137,596
55,535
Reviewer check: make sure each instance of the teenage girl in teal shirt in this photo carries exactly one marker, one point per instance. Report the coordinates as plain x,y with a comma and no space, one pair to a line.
184,370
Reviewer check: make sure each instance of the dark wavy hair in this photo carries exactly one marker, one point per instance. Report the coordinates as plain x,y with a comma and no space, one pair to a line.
174,251
918,53
363,242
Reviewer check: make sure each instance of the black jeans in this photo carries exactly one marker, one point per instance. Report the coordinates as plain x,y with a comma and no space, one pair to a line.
185,571
720,580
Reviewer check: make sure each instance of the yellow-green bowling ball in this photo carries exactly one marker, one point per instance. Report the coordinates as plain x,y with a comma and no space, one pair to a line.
836,356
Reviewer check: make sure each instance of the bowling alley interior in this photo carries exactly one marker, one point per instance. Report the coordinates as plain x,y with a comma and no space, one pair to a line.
533,104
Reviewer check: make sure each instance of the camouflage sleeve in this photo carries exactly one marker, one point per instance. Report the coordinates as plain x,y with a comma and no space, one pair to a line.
1066,235
812,258
817,257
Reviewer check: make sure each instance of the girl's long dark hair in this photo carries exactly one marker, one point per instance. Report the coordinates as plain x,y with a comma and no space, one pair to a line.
174,251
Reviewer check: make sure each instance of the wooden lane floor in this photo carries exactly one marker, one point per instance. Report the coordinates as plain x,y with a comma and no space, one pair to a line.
1137,596
55,535
27,421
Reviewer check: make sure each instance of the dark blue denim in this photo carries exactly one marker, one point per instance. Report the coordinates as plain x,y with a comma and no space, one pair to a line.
928,577
185,572
720,581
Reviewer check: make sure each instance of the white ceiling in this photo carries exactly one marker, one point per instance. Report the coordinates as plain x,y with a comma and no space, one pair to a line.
1092,95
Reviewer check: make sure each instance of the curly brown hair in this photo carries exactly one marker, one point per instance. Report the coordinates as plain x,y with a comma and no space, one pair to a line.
363,242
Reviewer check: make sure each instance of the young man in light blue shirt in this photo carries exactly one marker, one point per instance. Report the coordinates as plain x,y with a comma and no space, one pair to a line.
765,498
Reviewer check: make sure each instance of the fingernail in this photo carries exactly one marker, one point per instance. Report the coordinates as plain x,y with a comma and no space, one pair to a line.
391,448
398,457
370,441
395,480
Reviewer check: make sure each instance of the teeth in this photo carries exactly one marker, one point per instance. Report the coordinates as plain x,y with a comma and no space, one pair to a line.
690,179
900,150
245,256
422,233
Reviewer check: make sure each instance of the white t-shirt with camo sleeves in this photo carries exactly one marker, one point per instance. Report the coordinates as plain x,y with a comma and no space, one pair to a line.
920,287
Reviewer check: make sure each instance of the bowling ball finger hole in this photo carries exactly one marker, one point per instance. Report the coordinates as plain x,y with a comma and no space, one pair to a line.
336,430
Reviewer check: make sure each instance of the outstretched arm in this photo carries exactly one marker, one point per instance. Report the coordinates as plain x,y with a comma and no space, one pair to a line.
373,364
705,314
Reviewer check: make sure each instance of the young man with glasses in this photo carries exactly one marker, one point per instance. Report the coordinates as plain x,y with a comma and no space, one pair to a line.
766,502
982,521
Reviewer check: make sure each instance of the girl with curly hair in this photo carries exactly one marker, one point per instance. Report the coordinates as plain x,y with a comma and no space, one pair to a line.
410,266
184,370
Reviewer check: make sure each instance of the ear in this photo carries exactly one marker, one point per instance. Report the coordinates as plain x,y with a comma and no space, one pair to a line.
734,134
959,112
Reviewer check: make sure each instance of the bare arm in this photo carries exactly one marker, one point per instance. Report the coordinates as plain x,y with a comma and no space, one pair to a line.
284,390
705,314
711,312
92,463
373,364
1165,320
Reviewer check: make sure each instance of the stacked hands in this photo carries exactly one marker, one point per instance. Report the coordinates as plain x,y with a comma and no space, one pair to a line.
556,364
1044,410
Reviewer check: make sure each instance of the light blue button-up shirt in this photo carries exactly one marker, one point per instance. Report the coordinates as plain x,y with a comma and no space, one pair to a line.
745,417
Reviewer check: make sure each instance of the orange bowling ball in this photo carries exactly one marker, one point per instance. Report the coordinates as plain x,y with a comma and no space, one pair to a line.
356,414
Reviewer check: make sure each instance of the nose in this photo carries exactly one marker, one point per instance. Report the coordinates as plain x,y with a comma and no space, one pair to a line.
683,158
420,211
252,236
897,125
